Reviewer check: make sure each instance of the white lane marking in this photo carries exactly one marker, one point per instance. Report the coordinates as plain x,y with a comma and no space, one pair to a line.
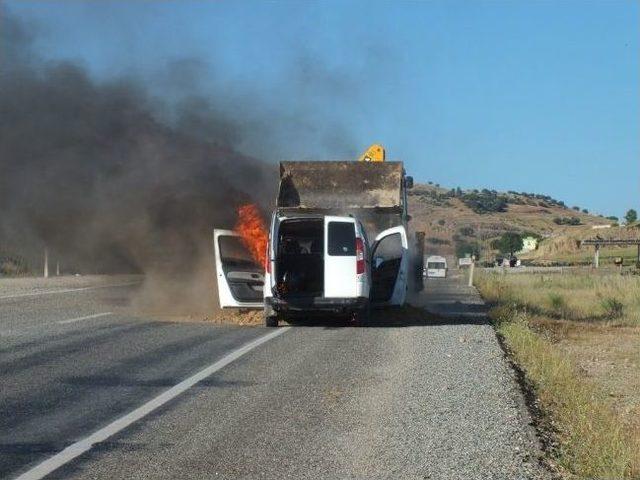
32,328
68,290
84,445
79,319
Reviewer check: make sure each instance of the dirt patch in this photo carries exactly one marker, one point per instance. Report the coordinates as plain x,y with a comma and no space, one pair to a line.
608,356
611,357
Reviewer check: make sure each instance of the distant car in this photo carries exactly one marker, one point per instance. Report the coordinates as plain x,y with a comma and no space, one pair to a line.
436,267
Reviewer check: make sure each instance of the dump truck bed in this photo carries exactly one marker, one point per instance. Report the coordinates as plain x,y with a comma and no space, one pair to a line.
371,191
311,185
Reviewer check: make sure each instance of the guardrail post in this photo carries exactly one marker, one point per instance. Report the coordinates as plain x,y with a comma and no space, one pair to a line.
46,262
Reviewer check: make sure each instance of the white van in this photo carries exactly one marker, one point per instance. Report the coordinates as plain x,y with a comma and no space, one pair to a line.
436,267
315,263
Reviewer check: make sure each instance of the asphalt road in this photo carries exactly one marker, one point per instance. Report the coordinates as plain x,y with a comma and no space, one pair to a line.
412,398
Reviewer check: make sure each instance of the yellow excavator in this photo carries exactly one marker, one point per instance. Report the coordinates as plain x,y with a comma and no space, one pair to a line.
375,153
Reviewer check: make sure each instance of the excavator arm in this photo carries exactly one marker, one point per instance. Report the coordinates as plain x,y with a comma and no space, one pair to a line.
375,153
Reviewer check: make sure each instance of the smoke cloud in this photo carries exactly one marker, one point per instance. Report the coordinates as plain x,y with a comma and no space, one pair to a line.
112,178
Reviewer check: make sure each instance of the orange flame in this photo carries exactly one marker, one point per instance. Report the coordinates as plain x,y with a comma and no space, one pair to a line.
252,231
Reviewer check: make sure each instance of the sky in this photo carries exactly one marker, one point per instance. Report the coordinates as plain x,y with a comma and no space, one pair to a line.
536,96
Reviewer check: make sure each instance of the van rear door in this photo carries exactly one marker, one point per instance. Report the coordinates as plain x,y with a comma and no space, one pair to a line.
389,267
240,279
340,257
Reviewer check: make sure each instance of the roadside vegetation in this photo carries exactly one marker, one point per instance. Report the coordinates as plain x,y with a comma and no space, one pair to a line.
12,265
576,337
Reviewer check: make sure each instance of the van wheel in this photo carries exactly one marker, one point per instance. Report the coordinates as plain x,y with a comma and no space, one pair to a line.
271,320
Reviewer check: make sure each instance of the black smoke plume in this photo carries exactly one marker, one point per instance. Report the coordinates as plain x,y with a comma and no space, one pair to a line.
102,176
120,176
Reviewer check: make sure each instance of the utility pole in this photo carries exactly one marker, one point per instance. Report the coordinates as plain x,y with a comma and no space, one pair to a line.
46,262
57,268
471,269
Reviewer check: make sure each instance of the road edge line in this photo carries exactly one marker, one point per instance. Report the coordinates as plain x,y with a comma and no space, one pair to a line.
68,290
79,319
78,448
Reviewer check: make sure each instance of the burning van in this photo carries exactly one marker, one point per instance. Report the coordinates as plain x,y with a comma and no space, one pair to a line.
337,243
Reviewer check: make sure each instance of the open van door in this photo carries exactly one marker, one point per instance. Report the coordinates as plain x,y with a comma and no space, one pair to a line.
390,267
340,264
240,278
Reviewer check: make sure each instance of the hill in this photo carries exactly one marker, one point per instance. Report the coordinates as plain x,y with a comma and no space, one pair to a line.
455,220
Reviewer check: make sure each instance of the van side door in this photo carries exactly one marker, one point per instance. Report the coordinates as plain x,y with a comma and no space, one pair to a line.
390,267
240,279
340,257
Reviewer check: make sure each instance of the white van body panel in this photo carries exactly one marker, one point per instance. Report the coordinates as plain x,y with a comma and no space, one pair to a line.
339,271
363,280
224,290
400,289
436,267
269,282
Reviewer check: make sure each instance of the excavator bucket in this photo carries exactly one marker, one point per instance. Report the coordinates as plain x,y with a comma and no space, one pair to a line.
341,185
375,153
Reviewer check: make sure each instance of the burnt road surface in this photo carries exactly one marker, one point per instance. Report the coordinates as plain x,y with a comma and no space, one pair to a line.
90,390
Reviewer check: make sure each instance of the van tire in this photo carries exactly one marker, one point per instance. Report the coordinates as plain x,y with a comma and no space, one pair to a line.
271,320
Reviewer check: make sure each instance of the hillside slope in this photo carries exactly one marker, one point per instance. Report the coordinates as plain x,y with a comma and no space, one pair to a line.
453,217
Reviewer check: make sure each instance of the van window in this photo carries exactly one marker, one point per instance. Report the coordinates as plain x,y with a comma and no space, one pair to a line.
342,239
436,265
234,253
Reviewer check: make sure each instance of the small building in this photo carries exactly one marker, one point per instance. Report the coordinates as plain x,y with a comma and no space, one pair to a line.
529,244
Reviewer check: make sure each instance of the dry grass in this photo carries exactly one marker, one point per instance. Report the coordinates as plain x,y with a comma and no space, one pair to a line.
581,297
580,256
571,341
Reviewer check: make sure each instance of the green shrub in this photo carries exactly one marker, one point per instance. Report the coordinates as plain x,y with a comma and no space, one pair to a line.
558,304
613,308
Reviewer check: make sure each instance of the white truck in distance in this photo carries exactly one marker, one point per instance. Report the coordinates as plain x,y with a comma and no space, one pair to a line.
436,267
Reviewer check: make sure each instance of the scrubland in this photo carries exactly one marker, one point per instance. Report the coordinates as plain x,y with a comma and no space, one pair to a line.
576,337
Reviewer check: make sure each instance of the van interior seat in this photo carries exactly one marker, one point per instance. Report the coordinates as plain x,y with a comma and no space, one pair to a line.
300,264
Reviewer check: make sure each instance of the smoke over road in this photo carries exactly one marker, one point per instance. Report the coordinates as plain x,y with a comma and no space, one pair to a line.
113,179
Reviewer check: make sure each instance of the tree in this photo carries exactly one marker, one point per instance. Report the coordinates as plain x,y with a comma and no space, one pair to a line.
584,210
509,242
631,216
467,248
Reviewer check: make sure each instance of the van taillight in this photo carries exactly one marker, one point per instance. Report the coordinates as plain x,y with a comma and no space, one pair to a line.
267,261
359,256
